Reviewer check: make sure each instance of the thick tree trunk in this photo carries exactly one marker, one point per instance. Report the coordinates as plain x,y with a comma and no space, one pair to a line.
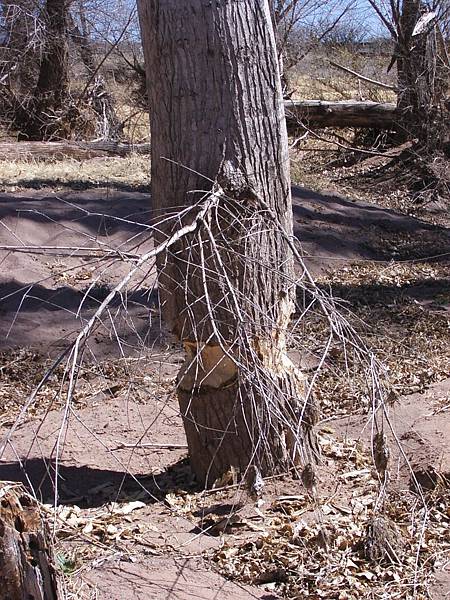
217,124
26,560
53,82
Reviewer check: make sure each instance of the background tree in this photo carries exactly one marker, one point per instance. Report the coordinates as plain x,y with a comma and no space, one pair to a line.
96,89
52,86
423,66
20,38
300,25
219,150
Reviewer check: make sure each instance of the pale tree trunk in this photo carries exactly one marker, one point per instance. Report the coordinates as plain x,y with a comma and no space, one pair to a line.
217,115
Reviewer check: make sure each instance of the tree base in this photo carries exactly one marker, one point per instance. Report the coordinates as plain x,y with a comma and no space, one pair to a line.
231,426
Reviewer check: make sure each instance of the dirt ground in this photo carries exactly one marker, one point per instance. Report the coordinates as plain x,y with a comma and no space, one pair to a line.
131,521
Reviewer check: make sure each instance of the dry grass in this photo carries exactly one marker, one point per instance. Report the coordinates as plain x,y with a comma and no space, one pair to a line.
315,78
132,171
336,87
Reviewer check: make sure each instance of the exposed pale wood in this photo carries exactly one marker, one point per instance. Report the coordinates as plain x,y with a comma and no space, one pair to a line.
61,150
27,568
351,113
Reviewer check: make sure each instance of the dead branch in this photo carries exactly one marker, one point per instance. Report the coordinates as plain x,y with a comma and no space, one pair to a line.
319,113
387,86
64,149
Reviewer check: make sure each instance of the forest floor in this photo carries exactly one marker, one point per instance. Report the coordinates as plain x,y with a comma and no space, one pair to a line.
131,521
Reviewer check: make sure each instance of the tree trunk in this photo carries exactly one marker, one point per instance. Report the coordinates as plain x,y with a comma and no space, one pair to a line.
20,53
422,80
53,82
26,562
217,125
52,86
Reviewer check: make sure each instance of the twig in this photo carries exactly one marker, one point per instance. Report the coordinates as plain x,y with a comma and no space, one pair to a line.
123,446
363,77
69,251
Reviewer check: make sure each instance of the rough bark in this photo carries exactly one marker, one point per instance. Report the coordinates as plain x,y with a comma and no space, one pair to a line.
422,75
52,85
26,560
62,150
53,82
217,116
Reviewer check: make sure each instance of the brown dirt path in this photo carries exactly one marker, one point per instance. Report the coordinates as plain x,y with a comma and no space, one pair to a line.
95,471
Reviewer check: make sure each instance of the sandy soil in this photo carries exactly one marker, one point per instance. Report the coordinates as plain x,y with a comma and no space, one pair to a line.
40,294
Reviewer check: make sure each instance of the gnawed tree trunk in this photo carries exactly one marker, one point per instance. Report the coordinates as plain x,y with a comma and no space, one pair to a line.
26,559
217,125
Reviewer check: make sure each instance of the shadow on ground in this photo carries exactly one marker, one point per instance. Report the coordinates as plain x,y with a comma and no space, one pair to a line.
431,293
88,487
332,230
80,185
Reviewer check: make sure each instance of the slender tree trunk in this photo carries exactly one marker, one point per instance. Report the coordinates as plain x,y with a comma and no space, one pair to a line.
217,124
421,77
52,85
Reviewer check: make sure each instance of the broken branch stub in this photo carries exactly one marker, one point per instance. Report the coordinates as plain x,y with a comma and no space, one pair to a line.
27,568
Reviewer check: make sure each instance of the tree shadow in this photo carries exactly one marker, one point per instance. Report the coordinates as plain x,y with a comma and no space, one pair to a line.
32,297
33,315
333,229
101,212
431,293
41,184
88,487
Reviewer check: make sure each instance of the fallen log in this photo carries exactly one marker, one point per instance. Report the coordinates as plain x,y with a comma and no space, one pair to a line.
26,559
65,149
320,113
311,113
